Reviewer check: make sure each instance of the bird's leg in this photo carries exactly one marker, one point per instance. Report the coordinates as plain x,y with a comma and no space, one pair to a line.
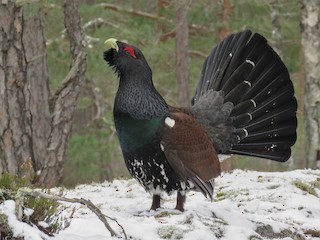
155,202
181,198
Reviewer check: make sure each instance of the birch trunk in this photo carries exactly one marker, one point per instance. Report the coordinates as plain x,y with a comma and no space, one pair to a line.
182,52
310,30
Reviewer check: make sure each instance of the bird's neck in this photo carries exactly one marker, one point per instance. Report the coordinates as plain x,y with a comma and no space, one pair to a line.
138,97
139,112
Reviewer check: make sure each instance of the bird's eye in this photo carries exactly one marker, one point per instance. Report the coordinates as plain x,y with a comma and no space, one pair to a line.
130,51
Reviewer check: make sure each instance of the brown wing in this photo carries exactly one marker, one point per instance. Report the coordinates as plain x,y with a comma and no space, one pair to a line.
190,152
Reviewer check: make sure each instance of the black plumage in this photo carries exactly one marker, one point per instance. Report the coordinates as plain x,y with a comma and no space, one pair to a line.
244,104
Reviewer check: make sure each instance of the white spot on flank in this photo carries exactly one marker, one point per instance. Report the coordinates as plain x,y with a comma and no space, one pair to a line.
163,173
155,163
252,63
250,116
170,122
137,163
183,187
230,54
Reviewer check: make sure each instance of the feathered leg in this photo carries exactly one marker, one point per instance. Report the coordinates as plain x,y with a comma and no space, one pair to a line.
181,198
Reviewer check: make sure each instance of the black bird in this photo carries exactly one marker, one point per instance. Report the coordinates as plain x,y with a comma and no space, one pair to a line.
244,104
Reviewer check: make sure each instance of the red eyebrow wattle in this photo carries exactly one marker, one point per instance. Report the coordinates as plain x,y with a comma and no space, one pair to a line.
131,51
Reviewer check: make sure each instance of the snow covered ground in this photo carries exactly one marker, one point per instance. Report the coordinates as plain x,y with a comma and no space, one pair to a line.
247,205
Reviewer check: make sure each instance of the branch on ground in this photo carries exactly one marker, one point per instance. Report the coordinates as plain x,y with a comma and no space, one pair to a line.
87,203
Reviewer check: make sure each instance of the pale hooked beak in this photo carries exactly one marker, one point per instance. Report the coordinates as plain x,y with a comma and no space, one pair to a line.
112,43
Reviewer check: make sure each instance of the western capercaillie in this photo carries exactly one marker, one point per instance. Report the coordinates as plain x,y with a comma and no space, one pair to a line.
244,104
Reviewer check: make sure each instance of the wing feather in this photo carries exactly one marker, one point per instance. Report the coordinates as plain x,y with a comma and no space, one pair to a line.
190,152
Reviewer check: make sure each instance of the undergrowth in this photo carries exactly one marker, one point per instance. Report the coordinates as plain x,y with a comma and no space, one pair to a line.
38,211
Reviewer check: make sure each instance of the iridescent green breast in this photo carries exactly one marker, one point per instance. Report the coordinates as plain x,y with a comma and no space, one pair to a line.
134,133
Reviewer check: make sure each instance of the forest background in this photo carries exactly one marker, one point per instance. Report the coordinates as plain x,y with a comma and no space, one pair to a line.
93,152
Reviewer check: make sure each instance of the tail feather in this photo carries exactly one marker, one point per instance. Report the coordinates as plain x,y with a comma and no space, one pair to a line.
273,86
254,48
275,117
282,100
238,47
272,72
269,134
234,95
240,75
279,155
256,109
253,78
219,61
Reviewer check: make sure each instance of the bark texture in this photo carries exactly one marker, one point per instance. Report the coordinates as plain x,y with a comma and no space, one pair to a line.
182,52
16,152
276,26
64,100
310,30
34,126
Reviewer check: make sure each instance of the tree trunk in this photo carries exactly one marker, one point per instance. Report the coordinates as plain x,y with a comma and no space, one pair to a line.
276,26
226,12
16,125
64,100
182,52
310,30
35,128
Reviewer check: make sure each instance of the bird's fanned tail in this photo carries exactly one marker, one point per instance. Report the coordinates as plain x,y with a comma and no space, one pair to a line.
246,72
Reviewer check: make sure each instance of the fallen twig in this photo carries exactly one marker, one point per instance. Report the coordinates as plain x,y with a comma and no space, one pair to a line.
87,203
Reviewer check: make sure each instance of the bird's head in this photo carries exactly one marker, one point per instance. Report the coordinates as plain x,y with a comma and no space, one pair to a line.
125,58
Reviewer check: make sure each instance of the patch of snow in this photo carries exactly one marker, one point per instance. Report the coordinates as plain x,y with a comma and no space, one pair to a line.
245,202
20,229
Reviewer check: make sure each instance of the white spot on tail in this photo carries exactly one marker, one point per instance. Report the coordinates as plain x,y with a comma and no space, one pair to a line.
273,146
250,116
247,82
250,62
245,132
253,102
170,122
